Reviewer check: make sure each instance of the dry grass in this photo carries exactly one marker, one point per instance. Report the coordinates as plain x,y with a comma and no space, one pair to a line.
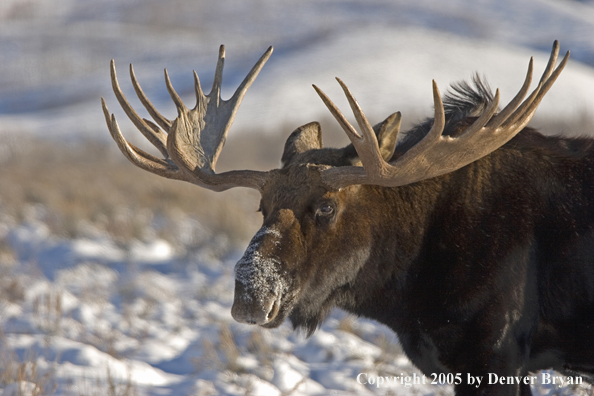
390,352
229,349
28,378
47,308
71,186
347,324
117,389
24,373
221,355
107,386
259,346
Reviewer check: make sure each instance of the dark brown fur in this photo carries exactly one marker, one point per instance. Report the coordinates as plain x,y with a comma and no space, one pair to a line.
489,269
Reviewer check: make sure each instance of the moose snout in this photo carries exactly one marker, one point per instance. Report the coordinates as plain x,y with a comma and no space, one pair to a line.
258,280
250,310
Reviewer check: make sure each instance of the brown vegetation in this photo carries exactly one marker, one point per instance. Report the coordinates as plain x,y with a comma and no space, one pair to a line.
71,186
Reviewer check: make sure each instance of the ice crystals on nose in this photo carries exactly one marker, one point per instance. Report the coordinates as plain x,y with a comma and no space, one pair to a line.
257,273
267,231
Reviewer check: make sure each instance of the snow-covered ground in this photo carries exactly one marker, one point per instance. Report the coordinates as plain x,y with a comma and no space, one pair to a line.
90,316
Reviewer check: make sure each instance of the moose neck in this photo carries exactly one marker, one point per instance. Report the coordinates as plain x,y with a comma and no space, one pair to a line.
398,218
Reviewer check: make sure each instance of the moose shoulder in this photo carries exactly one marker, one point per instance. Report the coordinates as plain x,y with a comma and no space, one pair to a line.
472,237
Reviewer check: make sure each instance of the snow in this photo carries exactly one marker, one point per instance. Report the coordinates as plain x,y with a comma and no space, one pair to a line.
157,317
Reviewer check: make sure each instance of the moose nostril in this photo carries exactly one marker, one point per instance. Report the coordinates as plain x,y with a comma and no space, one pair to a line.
273,311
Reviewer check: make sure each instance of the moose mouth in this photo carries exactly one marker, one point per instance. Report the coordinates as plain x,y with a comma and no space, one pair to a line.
266,312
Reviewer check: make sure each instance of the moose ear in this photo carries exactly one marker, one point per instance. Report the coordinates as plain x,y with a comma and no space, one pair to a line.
387,135
306,137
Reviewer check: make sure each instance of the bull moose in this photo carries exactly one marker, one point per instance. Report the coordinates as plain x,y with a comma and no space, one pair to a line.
472,236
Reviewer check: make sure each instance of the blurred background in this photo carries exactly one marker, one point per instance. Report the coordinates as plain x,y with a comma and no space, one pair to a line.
55,55
71,207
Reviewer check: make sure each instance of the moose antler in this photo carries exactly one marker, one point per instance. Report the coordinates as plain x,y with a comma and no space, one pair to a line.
437,154
191,143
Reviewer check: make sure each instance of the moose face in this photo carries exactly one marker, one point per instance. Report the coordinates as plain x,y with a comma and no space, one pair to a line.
314,238
304,250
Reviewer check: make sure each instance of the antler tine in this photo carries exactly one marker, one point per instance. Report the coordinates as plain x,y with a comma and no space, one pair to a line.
526,111
155,136
251,77
200,97
352,134
137,156
436,130
438,116
523,109
158,117
367,146
551,63
364,125
515,102
181,107
218,78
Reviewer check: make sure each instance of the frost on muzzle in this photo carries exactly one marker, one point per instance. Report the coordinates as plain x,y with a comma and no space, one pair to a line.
259,284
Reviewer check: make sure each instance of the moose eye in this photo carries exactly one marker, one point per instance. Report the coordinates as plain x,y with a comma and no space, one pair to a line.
325,209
